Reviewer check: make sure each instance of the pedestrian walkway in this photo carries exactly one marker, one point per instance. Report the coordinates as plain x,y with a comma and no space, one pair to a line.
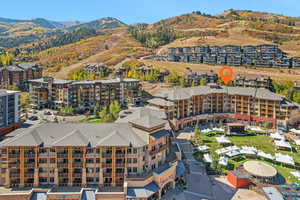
39,196
88,195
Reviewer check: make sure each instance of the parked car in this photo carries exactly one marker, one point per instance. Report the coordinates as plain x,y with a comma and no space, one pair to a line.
47,112
33,118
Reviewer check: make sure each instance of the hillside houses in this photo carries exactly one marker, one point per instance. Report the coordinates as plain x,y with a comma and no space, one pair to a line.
260,56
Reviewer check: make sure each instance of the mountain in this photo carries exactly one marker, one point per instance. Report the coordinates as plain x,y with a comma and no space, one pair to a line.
16,33
232,27
102,23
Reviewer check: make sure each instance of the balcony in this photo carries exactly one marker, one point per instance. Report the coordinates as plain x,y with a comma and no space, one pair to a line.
120,164
77,155
158,149
77,175
120,155
106,165
13,155
29,175
107,174
119,175
29,165
31,155
106,155
62,165
63,175
77,165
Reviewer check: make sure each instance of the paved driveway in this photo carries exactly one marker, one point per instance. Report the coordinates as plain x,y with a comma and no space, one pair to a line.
199,184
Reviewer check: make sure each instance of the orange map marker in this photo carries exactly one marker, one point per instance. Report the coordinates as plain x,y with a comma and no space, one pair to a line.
226,73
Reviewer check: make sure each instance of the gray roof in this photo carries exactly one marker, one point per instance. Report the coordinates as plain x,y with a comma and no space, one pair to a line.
186,93
142,192
7,92
136,113
161,102
55,81
81,134
14,68
148,121
104,81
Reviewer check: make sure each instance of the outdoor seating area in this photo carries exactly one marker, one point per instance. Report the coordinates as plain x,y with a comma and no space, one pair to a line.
277,136
285,159
282,144
223,140
230,152
296,131
296,174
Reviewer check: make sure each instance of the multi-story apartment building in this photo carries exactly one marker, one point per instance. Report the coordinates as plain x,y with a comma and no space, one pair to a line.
253,106
195,77
19,75
261,55
252,80
9,111
296,62
82,95
133,160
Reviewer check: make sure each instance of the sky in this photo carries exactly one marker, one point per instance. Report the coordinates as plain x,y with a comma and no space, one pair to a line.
134,11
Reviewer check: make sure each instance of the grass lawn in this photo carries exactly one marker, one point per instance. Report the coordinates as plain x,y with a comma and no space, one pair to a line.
261,142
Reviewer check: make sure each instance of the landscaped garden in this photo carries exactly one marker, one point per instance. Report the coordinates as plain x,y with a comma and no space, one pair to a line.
259,141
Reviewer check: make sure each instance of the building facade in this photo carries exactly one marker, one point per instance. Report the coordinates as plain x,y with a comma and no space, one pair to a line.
134,160
252,106
19,75
261,56
194,77
82,95
9,111
252,80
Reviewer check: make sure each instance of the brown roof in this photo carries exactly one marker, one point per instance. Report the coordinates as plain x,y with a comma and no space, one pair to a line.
252,76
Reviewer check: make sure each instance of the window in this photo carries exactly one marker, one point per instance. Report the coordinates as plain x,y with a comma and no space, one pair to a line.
134,169
90,160
129,160
43,160
97,160
97,169
134,160
90,179
42,180
90,150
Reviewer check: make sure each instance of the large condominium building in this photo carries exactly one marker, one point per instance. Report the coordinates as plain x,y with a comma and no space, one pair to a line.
253,80
129,160
194,77
261,55
254,106
82,95
19,75
9,111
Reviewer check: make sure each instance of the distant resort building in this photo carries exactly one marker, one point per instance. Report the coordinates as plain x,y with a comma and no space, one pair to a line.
260,56
253,80
194,77
251,106
9,111
19,75
82,95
